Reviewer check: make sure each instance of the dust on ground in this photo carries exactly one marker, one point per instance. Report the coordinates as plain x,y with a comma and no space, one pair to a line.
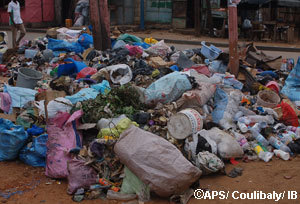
34,187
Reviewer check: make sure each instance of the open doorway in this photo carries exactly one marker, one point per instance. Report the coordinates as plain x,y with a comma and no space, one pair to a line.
190,15
68,7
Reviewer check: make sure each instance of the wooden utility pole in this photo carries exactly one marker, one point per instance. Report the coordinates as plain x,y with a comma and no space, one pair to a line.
197,21
58,12
233,38
101,24
209,18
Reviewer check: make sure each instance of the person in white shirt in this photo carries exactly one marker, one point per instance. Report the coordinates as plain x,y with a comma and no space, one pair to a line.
16,22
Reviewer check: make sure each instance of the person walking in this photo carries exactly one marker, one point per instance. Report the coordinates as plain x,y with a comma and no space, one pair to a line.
16,22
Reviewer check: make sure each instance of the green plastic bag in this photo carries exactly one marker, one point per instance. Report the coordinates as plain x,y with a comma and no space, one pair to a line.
132,184
129,38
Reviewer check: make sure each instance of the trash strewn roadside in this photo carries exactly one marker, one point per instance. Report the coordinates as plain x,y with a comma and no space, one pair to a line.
142,117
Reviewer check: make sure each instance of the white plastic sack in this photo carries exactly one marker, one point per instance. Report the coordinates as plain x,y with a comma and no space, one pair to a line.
227,146
155,161
174,57
159,49
166,89
120,74
209,163
54,106
79,22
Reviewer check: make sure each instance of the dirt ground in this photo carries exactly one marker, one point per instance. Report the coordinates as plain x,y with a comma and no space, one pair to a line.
33,187
165,34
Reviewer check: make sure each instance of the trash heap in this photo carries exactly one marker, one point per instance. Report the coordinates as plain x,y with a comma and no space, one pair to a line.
142,117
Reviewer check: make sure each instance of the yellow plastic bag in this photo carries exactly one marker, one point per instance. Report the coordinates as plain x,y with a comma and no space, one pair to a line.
150,41
123,125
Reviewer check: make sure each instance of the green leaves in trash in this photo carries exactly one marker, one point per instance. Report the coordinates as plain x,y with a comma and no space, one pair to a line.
120,100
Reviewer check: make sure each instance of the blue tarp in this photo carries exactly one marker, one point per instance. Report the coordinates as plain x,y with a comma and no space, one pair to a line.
19,96
69,69
292,84
64,46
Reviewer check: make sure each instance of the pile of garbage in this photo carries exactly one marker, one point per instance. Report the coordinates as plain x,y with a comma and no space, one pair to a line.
142,117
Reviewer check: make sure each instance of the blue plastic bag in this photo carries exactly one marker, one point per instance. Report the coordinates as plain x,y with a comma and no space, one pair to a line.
167,89
102,87
35,131
64,46
221,101
69,69
83,95
217,66
12,139
143,45
175,68
19,96
34,154
270,73
86,40
292,84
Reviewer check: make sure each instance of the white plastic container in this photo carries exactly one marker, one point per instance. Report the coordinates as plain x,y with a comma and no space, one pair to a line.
281,154
242,127
185,123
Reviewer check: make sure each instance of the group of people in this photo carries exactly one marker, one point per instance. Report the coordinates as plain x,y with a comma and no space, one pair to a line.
16,22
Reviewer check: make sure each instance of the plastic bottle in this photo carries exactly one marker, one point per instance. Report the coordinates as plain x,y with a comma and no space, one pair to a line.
283,65
281,154
242,127
256,119
292,128
279,126
259,126
265,156
277,144
241,140
238,115
286,138
295,130
259,138
105,182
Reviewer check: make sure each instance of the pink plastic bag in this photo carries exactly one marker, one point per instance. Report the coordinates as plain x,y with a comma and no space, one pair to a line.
61,139
80,175
201,69
85,72
5,102
134,50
